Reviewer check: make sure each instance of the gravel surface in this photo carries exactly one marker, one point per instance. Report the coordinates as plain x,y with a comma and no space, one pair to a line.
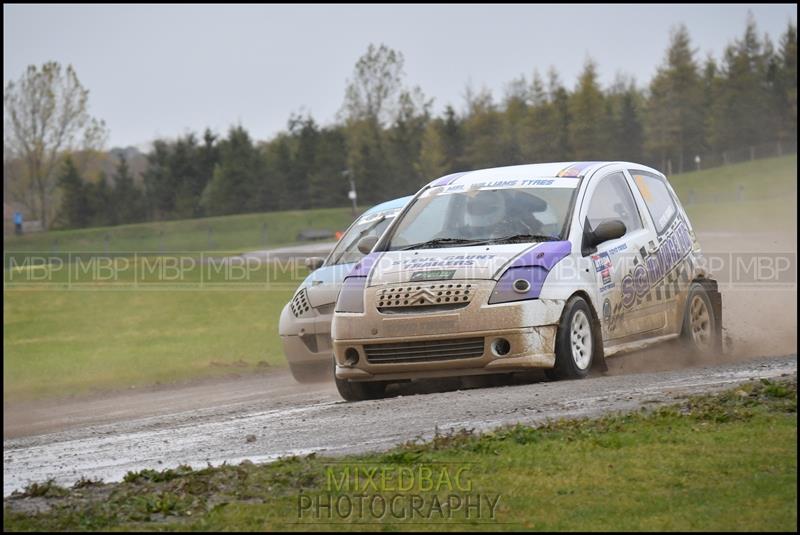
269,416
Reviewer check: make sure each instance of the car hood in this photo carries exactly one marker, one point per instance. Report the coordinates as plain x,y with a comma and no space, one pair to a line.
464,263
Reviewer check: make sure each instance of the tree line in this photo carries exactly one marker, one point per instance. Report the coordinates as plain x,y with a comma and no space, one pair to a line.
388,141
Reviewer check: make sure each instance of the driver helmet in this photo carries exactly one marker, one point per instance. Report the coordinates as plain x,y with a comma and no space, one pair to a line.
485,209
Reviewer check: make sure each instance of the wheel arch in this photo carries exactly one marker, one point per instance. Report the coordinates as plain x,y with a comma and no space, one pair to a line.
599,361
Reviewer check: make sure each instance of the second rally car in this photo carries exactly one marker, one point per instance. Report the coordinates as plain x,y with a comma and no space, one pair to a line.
305,322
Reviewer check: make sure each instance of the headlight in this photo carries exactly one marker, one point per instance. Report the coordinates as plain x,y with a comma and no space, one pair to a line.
523,280
351,297
519,284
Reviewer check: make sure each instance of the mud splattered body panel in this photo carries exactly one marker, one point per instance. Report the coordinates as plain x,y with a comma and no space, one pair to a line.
528,326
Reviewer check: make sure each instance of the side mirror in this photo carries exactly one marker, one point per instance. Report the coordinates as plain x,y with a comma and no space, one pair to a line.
607,230
314,263
366,244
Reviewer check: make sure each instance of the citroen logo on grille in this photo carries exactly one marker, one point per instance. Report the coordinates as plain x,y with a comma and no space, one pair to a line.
422,296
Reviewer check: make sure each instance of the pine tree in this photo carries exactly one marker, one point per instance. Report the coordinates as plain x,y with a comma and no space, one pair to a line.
127,199
588,130
675,118
102,212
742,115
452,135
786,87
433,157
234,186
74,203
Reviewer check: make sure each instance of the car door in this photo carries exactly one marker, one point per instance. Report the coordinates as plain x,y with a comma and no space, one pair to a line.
666,252
620,280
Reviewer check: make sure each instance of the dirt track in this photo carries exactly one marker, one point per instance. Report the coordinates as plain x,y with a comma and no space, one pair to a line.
105,436
302,420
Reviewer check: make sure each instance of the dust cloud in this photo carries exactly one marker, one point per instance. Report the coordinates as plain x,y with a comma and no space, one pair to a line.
759,319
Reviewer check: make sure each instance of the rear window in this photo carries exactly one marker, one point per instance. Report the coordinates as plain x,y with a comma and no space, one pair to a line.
657,197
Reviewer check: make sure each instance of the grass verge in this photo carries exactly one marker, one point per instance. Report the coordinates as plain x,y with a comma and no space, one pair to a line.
701,464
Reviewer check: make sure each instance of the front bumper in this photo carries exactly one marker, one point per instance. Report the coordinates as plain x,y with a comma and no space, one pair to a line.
306,340
529,327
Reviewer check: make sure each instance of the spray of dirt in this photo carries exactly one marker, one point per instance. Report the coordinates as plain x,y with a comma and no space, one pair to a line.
758,320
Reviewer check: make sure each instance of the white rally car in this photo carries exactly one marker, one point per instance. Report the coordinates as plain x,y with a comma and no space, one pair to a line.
552,266
305,322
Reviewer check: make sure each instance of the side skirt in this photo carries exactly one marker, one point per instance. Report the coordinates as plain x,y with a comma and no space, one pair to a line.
637,345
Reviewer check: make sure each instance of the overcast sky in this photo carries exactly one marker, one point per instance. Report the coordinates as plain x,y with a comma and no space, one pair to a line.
165,70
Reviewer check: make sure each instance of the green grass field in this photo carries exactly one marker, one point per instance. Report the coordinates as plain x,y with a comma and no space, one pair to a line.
701,465
59,341
757,195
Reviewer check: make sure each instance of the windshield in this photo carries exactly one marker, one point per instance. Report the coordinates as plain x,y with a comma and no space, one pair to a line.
481,216
346,251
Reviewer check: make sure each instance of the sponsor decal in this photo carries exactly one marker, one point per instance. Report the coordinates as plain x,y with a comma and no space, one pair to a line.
603,266
617,249
433,275
462,260
657,264
499,184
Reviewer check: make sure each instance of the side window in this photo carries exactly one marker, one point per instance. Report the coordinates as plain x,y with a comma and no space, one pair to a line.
657,198
612,199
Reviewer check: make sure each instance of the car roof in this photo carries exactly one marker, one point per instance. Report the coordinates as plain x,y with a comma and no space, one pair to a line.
532,171
389,205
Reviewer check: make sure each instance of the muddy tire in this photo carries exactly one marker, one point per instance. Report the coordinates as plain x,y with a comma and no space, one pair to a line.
576,343
700,332
310,373
360,391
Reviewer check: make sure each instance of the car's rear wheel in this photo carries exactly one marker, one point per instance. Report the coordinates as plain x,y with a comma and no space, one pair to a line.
699,332
310,373
575,341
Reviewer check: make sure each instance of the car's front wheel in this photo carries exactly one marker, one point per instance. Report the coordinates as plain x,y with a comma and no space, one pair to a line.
575,341
356,391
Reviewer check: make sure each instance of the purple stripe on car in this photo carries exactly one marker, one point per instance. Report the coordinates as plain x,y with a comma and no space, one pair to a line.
364,265
533,266
447,179
575,170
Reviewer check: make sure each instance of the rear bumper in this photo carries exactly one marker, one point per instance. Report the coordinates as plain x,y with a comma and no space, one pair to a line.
530,347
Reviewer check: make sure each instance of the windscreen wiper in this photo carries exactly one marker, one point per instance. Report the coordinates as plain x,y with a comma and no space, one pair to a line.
441,242
523,238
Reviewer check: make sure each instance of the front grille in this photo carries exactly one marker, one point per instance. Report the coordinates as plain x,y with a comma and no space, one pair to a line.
450,294
299,304
424,351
